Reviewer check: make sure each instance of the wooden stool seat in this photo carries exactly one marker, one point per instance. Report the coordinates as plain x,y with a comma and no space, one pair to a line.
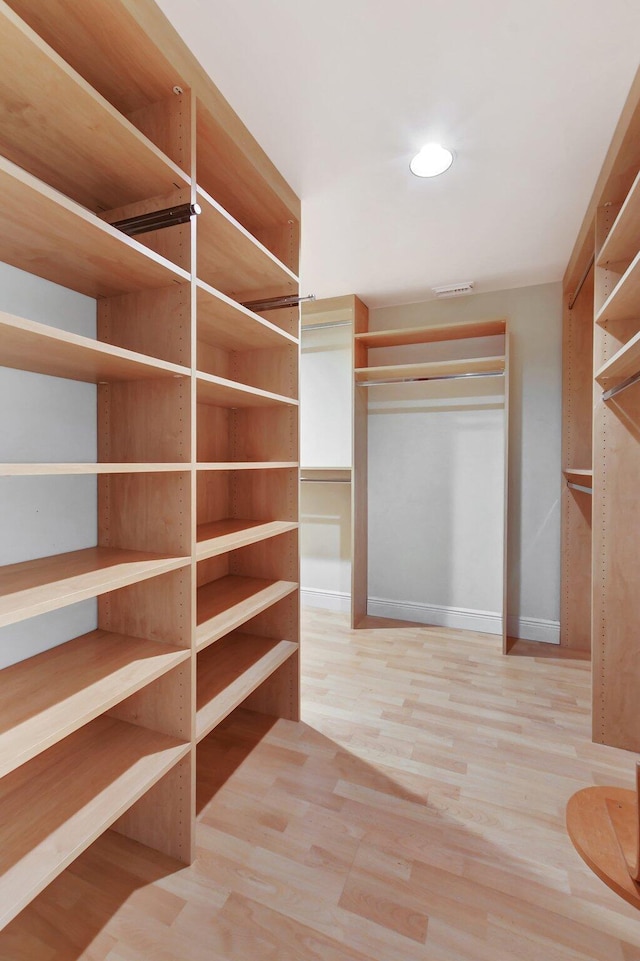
603,825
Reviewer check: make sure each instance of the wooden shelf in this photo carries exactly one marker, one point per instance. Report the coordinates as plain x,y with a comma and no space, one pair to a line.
218,537
17,470
230,259
231,670
318,474
248,465
433,369
224,323
49,583
220,392
622,302
44,233
49,696
623,241
27,345
624,364
577,476
229,602
54,806
77,142
432,334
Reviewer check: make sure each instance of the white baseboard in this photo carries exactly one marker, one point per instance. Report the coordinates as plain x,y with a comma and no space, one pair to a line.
339,601
456,617
534,629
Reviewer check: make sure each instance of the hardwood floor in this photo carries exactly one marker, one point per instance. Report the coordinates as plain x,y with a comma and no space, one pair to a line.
416,814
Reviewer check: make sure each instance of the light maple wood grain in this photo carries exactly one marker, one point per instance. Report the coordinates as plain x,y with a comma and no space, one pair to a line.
218,537
226,604
623,241
431,334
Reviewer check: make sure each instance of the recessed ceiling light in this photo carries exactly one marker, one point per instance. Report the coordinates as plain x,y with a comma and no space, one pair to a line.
432,160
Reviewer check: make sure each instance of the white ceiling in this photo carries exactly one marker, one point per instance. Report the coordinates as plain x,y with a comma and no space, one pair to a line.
341,94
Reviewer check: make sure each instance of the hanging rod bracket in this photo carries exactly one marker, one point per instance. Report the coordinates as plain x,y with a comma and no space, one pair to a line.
629,382
276,303
157,219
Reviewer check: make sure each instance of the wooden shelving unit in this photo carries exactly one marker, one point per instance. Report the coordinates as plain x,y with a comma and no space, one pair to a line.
197,416
372,370
601,586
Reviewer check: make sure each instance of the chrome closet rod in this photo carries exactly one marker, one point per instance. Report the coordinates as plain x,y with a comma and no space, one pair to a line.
581,282
337,323
324,480
579,487
419,380
629,382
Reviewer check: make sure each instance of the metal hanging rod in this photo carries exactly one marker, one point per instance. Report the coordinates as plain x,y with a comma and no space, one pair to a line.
337,323
629,382
419,380
579,487
324,480
276,303
157,219
581,282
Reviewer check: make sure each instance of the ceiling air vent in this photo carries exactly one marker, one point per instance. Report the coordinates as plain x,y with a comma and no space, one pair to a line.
453,290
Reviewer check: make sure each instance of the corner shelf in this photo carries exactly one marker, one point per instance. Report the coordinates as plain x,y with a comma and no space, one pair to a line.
433,369
49,696
44,233
623,240
229,602
27,345
622,302
218,537
231,670
430,335
49,583
55,805
230,258
80,145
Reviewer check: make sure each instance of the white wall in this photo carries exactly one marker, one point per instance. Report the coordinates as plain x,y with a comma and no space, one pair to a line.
463,488
325,441
44,419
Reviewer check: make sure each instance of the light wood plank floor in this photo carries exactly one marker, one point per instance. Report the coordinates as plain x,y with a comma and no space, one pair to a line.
417,814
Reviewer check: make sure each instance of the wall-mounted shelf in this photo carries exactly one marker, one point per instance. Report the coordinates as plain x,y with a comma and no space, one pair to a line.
43,232
27,345
80,144
578,476
623,240
49,696
226,324
54,806
219,537
252,465
625,363
231,670
229,602
17,470
230,258
220,392
325,475
622,302
430,335
49,583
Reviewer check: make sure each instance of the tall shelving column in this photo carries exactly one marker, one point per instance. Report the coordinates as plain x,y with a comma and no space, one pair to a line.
197,431
601,605
368,373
